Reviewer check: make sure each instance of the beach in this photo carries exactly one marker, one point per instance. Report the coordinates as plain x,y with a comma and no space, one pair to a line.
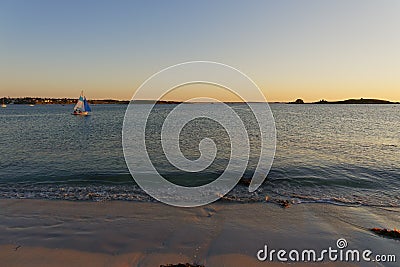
127,233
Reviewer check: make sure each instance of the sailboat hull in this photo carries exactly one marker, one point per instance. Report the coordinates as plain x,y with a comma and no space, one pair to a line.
85,113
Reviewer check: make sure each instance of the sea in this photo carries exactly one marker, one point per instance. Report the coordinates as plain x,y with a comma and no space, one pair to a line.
338,154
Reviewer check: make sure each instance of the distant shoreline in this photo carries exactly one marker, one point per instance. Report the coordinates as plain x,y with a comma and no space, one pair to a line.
52,101
347,101
70,101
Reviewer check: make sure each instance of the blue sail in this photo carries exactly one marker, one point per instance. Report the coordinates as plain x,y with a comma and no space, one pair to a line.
87,107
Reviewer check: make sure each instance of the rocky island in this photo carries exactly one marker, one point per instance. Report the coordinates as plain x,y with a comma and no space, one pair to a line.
347,101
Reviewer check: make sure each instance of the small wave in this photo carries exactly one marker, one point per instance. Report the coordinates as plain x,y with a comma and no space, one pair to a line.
389,145
132,192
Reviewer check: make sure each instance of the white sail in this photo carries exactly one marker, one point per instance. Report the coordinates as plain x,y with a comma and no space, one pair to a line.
80,105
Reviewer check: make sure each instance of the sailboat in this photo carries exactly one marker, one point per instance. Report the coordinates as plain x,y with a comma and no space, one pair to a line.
82,107
3,105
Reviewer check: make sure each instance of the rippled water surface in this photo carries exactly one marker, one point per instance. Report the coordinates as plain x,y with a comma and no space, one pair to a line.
344,154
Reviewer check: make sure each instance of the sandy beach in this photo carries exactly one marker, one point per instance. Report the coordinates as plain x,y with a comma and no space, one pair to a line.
122,233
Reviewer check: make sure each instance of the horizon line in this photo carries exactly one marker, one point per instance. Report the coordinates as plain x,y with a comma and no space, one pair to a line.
180,101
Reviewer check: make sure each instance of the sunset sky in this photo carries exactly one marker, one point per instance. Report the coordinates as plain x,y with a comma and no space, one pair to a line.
291,49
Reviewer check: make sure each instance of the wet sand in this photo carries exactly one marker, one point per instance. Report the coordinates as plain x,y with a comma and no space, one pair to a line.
126,233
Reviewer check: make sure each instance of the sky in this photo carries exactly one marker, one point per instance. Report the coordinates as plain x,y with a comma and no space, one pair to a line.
307,49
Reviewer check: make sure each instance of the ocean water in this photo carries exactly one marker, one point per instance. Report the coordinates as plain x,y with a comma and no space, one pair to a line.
340,154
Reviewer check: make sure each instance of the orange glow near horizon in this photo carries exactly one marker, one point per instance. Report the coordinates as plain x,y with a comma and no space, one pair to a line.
312,50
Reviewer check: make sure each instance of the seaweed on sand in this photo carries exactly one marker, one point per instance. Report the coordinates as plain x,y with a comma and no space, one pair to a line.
386,232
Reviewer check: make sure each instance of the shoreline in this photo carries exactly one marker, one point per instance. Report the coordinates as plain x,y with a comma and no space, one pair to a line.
128,233
72,101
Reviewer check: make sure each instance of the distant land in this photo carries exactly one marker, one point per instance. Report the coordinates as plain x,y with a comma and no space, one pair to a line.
69,101
49,101
347,101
